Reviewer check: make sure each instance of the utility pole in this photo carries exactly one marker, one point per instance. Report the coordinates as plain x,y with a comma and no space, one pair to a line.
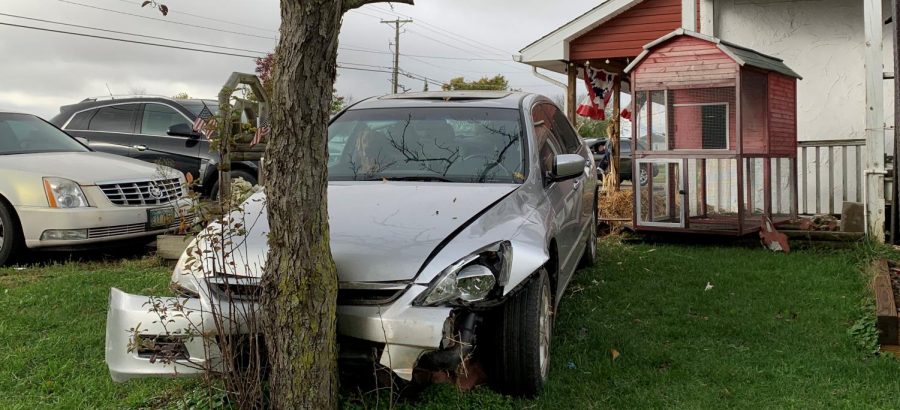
397,24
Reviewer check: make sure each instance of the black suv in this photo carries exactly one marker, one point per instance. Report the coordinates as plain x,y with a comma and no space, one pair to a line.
152,129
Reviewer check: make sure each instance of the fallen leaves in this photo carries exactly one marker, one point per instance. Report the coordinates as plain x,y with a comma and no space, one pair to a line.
614,353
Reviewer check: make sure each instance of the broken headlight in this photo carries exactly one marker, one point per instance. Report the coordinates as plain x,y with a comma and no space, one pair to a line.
471,279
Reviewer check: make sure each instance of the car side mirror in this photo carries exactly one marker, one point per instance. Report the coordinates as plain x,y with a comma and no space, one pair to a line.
83,140
567,166
182,130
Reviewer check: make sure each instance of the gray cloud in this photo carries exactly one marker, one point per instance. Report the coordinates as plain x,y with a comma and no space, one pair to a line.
42,71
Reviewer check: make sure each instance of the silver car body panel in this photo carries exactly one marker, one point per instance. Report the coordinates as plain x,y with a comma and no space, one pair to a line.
399,232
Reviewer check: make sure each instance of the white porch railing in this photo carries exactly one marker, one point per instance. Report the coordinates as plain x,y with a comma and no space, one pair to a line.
830,173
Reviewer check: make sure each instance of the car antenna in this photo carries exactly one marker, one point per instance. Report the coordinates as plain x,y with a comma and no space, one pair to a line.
109,91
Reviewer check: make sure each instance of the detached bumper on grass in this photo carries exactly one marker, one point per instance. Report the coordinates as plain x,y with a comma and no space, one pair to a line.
142,342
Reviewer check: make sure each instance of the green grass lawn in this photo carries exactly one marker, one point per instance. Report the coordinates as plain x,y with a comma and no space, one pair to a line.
52,332
773,331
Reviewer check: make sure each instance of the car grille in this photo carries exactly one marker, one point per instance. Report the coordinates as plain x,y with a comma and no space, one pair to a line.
354,294
349,294
141,193
107,231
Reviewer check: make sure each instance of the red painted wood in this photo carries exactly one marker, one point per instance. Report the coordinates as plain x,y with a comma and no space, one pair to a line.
753,111
626,34
687,130
684,62
782,115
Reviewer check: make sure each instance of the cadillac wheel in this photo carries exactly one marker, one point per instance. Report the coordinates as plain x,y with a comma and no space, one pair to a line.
9,234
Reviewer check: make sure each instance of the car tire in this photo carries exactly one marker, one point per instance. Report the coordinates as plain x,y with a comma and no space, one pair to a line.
643,177
11,241
523,345
246,176
589,257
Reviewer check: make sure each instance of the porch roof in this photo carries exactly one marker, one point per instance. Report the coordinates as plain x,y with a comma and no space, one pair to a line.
551,51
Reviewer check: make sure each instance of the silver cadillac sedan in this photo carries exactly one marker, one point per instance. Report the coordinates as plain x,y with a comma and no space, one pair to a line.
457,220
55,192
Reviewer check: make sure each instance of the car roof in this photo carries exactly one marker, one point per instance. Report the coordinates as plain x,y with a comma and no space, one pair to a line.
100,102
479,99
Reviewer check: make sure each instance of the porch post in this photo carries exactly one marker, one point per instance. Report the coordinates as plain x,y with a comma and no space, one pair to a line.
874,171
571,90
689,15
708,17
616,138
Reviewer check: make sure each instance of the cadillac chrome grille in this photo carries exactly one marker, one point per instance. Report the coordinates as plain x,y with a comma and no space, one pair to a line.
141,193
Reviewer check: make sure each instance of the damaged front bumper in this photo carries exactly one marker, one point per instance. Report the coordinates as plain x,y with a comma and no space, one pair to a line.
406,333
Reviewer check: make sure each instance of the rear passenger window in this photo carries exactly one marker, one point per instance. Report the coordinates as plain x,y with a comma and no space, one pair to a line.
563,129
81,120
116,118
158,118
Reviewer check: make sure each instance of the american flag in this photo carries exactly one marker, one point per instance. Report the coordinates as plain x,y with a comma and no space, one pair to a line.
205,122
262,130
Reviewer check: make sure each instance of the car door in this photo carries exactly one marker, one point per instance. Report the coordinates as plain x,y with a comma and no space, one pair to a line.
153,144
108,128
562,195
581,197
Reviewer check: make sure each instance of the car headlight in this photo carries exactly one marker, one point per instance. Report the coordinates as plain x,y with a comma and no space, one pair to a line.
64,193
471,279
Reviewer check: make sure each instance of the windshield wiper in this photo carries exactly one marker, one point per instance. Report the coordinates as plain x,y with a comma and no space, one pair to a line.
423,178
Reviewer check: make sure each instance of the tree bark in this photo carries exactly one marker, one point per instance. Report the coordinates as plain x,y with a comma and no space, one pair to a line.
299,299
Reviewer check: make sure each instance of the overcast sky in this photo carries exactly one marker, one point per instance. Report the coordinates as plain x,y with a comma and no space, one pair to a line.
43,70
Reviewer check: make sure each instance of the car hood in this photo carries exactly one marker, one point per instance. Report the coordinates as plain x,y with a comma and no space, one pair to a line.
85,168
380,231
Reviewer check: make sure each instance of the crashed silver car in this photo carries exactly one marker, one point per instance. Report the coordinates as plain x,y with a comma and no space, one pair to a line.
457,220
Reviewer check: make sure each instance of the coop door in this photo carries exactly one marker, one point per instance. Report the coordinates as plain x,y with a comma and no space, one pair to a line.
660,196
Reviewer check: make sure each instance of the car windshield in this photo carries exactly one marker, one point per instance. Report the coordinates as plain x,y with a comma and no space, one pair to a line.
27,134
427,144
196,106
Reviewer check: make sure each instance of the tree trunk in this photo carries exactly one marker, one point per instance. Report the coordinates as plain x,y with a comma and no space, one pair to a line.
299,299
300,285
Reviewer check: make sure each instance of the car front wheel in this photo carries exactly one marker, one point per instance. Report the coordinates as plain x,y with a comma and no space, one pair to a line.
523,356
10,238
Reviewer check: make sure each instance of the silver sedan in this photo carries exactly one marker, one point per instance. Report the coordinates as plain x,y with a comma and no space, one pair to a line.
457,220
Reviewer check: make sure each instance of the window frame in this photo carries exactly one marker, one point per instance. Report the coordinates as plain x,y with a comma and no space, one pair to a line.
139,126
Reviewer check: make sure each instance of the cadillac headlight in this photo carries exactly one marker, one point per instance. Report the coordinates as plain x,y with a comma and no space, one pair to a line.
471,279
64,193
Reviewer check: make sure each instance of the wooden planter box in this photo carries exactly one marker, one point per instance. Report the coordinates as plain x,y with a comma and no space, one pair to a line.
888,321
170,247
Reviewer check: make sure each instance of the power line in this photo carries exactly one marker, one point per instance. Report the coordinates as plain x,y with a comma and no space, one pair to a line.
362,50
166,20
123,40
340,64
199,16
131,34
438,29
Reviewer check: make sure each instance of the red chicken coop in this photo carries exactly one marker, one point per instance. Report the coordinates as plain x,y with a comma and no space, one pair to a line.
716,131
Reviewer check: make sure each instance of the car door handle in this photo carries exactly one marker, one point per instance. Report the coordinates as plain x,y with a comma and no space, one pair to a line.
576,185
139,147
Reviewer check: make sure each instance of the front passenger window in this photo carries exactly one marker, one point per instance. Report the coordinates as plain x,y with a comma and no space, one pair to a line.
158,118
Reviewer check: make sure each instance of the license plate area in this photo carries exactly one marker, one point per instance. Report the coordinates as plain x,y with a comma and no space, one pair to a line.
160,217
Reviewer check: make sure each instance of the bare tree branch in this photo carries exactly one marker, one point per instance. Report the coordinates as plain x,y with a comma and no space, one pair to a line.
353,4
